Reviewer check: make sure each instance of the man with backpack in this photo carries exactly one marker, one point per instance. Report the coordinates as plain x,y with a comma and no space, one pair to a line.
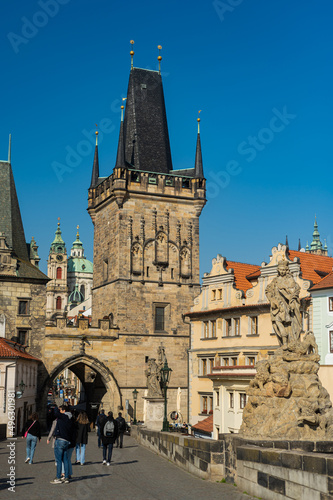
121,430
109,432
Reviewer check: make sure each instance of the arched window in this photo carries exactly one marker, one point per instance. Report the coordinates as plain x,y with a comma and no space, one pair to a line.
59,273
58,303
82,290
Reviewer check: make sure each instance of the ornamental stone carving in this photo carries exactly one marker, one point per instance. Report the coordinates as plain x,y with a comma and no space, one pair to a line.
286,399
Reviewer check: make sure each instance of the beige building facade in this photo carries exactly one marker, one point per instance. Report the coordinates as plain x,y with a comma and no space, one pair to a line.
231,330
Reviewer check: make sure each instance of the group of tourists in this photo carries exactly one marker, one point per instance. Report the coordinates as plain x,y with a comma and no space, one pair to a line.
69,432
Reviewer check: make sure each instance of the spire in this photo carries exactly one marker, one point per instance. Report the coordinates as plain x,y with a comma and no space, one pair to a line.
95,171
77,246
58,244
10,148
299,244
287,243
198,167
120,162
307,249
316,244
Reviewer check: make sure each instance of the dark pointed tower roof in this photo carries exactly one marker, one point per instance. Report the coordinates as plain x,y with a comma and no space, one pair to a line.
10,215
316,244
198,167
95,171
146,136
299,244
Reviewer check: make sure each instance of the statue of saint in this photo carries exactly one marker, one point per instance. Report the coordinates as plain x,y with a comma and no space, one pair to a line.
153,379
283,295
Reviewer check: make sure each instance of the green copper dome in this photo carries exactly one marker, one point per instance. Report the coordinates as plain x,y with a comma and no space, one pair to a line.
76,296
58,244
79,265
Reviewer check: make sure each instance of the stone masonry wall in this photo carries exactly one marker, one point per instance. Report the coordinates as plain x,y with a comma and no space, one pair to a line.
201,457
271,470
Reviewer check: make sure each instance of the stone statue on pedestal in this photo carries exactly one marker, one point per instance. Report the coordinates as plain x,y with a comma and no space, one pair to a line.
153,379
283,295
286,399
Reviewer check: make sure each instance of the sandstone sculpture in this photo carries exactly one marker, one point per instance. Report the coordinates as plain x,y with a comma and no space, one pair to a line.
286,399
153,374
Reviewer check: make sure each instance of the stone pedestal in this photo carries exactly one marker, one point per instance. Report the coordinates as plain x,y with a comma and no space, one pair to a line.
154,413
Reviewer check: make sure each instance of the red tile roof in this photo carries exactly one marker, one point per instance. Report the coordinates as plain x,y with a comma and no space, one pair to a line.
205,425
312,266
10,349
241,271
326,282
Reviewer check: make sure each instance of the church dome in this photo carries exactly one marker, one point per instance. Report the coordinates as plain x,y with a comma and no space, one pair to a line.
76,296
79,265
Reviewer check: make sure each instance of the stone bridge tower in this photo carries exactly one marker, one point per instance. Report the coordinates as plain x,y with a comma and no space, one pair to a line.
146,243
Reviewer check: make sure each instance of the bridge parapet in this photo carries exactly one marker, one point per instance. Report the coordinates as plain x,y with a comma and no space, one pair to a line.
82,328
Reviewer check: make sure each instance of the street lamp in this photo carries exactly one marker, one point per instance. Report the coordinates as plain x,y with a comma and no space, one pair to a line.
135,396
165,377
19,393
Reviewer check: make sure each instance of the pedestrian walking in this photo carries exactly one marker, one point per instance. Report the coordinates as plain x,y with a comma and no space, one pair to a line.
32,432
109,431
63,436
51,436
121,429
99,420
82,429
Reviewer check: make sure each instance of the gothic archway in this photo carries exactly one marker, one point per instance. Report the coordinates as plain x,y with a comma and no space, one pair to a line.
101,389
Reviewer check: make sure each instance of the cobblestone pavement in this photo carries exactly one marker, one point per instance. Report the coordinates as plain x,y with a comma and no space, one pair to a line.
135,473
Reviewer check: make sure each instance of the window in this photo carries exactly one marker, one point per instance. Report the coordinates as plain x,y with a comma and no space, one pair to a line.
23,307
251,360
210,405
59,273
105,269
237,326
213,294
22,336
213,328
204,404
159,319
330,303
228,327
225,361
331,340
231,400
217,398
205,329
204,367
253,325
82,290
242,400
172,274
147,273
58,303
211,365
219,294
234,361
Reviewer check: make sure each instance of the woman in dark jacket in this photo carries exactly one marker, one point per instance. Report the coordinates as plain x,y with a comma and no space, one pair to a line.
32,426
109,436
83,427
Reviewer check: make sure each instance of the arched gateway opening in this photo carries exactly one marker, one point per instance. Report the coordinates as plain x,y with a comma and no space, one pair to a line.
99,389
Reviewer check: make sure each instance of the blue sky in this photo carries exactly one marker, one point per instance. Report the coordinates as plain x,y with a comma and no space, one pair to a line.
261,72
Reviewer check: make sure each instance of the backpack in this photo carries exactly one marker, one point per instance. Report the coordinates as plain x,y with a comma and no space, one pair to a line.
108,430
121,424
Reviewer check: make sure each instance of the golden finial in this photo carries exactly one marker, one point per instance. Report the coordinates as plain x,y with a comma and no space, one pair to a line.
159,58
96,133
198,120
132,53
77,234
122,109
58,221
